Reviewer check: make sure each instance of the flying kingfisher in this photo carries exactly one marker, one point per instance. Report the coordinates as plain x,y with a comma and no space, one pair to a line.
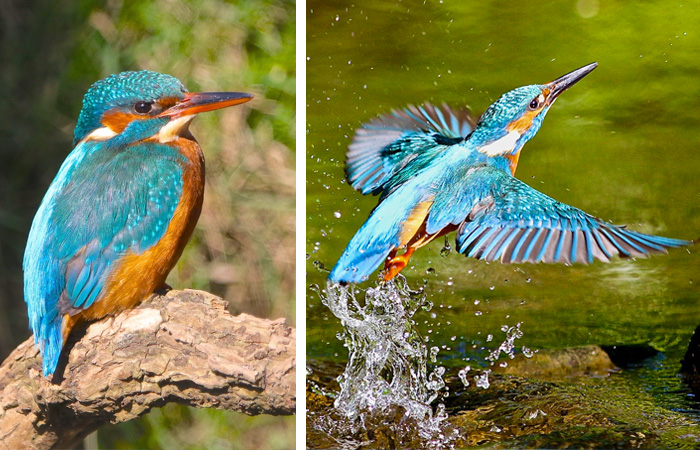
124,203
437,171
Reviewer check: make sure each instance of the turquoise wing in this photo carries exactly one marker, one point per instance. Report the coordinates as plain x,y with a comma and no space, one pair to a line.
386,145
502,218
103,204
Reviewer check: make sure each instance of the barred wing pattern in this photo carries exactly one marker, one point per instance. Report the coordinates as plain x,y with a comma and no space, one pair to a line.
515,223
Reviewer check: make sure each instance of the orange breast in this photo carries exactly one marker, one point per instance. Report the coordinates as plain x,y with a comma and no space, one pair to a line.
137,276
413,234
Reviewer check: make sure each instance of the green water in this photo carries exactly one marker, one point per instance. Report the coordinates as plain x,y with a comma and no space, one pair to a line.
623,145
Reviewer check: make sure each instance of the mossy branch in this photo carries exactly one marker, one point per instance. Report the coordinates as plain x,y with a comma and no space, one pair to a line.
180,347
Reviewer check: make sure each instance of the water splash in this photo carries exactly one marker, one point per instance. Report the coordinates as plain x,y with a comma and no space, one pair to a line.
387,361
507,347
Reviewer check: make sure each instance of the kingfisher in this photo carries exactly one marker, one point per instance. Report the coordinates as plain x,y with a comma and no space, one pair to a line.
436,170
122,207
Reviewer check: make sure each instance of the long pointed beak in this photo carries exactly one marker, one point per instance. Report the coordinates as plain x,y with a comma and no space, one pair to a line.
199,102
566,81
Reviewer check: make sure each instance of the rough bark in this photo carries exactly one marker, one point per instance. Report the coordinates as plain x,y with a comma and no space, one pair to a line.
180,347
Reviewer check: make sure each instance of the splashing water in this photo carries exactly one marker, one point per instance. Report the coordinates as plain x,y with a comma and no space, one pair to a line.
507,347
387,360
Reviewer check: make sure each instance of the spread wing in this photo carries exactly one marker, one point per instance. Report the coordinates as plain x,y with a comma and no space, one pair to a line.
384,146
101,206
502,218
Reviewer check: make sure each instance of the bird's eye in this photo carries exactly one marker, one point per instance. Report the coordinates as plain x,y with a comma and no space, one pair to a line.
142,107
534,104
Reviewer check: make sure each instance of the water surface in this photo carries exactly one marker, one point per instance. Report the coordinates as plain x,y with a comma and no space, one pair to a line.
621,145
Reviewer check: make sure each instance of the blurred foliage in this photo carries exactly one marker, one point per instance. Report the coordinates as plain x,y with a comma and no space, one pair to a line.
243,247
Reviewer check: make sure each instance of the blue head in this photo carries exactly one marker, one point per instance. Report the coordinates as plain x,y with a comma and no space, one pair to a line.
137,105
517,115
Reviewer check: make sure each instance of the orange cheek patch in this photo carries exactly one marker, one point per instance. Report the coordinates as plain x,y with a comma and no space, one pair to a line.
117,121
524,123
168,102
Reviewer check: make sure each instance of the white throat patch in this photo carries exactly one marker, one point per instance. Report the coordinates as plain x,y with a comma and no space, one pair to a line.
174,129
501,146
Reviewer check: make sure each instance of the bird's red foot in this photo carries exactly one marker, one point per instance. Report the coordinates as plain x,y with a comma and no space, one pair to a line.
396,264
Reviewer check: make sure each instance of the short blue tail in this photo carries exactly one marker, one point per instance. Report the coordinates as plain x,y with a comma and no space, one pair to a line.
355,266
377,237
51,344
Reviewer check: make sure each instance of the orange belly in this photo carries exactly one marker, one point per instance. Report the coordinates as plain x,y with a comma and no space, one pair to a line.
137,276
412,237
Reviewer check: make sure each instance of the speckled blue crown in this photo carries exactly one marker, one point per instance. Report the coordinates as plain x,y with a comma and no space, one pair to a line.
120,90
510,105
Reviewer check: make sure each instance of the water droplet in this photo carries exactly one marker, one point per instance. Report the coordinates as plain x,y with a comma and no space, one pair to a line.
463,375
446,249
337,214
433,354
482,380
379,330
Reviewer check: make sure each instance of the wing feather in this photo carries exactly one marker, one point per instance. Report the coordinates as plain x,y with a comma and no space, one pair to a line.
519,224
103,204
387,144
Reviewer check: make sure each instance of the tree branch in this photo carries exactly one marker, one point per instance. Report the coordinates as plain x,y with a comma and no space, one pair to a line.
180,347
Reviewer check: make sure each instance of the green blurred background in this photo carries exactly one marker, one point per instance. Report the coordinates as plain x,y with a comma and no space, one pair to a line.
243,247
622,145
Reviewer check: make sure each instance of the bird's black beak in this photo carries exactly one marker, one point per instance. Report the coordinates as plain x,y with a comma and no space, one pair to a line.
566,81
199,102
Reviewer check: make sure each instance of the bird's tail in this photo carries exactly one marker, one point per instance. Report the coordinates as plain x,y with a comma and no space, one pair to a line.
50,341
384,231
364,253
358,261
47,325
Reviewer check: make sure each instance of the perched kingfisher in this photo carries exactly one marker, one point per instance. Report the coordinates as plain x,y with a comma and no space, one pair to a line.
437,171
122,207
